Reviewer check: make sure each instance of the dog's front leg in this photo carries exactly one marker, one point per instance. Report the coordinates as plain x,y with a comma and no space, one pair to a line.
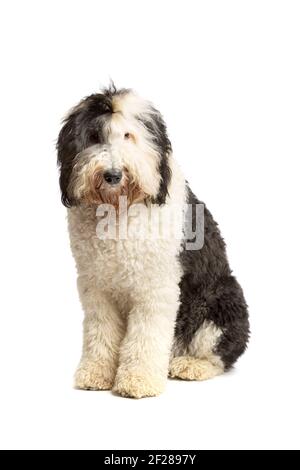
102,334
145,350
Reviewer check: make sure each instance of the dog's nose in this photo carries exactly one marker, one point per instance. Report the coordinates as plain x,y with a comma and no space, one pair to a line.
112,176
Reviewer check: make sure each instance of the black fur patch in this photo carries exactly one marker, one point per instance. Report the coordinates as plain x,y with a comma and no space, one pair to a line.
209,292
156,127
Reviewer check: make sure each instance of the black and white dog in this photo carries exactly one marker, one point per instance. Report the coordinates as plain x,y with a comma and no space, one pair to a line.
154,305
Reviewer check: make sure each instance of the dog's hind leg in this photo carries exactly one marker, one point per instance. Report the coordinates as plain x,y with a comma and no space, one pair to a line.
212,330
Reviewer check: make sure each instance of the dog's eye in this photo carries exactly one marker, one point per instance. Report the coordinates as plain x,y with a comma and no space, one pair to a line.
130,137
94,138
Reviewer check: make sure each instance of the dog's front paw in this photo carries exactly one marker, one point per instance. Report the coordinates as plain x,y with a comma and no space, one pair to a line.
137,385
94,376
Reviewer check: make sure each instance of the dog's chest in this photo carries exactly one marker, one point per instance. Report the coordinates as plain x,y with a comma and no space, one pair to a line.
120,264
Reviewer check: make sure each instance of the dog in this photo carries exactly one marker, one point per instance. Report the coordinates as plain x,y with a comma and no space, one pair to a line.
154,307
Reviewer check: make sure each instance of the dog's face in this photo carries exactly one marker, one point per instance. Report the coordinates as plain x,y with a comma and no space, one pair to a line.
113,143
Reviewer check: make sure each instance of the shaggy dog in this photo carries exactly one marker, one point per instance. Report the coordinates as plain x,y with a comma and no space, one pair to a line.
154,305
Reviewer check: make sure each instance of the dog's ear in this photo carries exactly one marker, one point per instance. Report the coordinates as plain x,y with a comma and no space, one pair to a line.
158,130
165,175
67,148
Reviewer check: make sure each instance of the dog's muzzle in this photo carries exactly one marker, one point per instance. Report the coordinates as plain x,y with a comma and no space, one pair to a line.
112,173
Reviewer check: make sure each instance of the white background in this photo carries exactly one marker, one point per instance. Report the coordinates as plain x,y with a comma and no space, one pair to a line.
226,76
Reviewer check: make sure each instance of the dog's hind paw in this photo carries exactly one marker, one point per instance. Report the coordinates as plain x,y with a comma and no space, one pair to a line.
94,376
192,368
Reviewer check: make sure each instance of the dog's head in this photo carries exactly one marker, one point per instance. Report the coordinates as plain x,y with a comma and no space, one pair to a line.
113,143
